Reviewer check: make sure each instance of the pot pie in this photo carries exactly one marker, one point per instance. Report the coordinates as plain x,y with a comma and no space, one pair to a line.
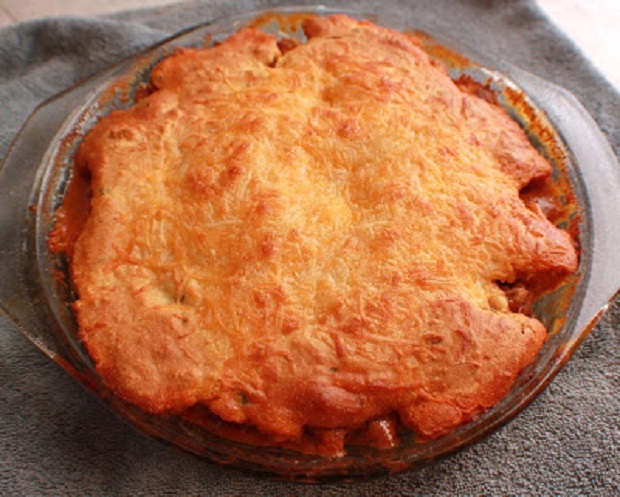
316,244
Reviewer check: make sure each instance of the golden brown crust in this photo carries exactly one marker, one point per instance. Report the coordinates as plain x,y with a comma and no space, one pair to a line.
312,238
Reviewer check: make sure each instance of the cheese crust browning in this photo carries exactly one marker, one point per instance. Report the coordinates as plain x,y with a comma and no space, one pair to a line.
311,236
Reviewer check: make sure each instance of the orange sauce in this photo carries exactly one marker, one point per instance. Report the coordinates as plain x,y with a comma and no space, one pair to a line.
438,51
287,23
329,442
555,195
71,216
473,87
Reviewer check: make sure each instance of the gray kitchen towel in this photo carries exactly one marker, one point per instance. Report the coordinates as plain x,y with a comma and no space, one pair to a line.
56,439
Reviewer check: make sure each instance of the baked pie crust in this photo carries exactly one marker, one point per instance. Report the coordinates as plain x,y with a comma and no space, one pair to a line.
311,238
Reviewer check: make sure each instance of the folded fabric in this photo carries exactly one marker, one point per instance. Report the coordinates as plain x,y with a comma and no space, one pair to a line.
57,439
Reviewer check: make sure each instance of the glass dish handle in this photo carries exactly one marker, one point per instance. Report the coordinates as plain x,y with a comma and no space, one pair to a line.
21,299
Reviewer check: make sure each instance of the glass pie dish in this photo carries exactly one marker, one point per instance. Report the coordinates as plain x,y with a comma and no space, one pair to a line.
36,294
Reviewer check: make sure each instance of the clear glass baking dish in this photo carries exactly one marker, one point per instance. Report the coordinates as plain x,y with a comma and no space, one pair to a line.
36,295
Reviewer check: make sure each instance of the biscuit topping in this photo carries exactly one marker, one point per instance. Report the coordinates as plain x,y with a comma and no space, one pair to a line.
312,236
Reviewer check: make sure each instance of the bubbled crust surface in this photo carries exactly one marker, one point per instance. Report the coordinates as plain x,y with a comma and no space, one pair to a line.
311,238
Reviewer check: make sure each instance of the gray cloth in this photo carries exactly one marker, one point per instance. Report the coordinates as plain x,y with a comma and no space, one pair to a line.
55,439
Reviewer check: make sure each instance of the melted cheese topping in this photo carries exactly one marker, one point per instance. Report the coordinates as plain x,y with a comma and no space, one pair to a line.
311,238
